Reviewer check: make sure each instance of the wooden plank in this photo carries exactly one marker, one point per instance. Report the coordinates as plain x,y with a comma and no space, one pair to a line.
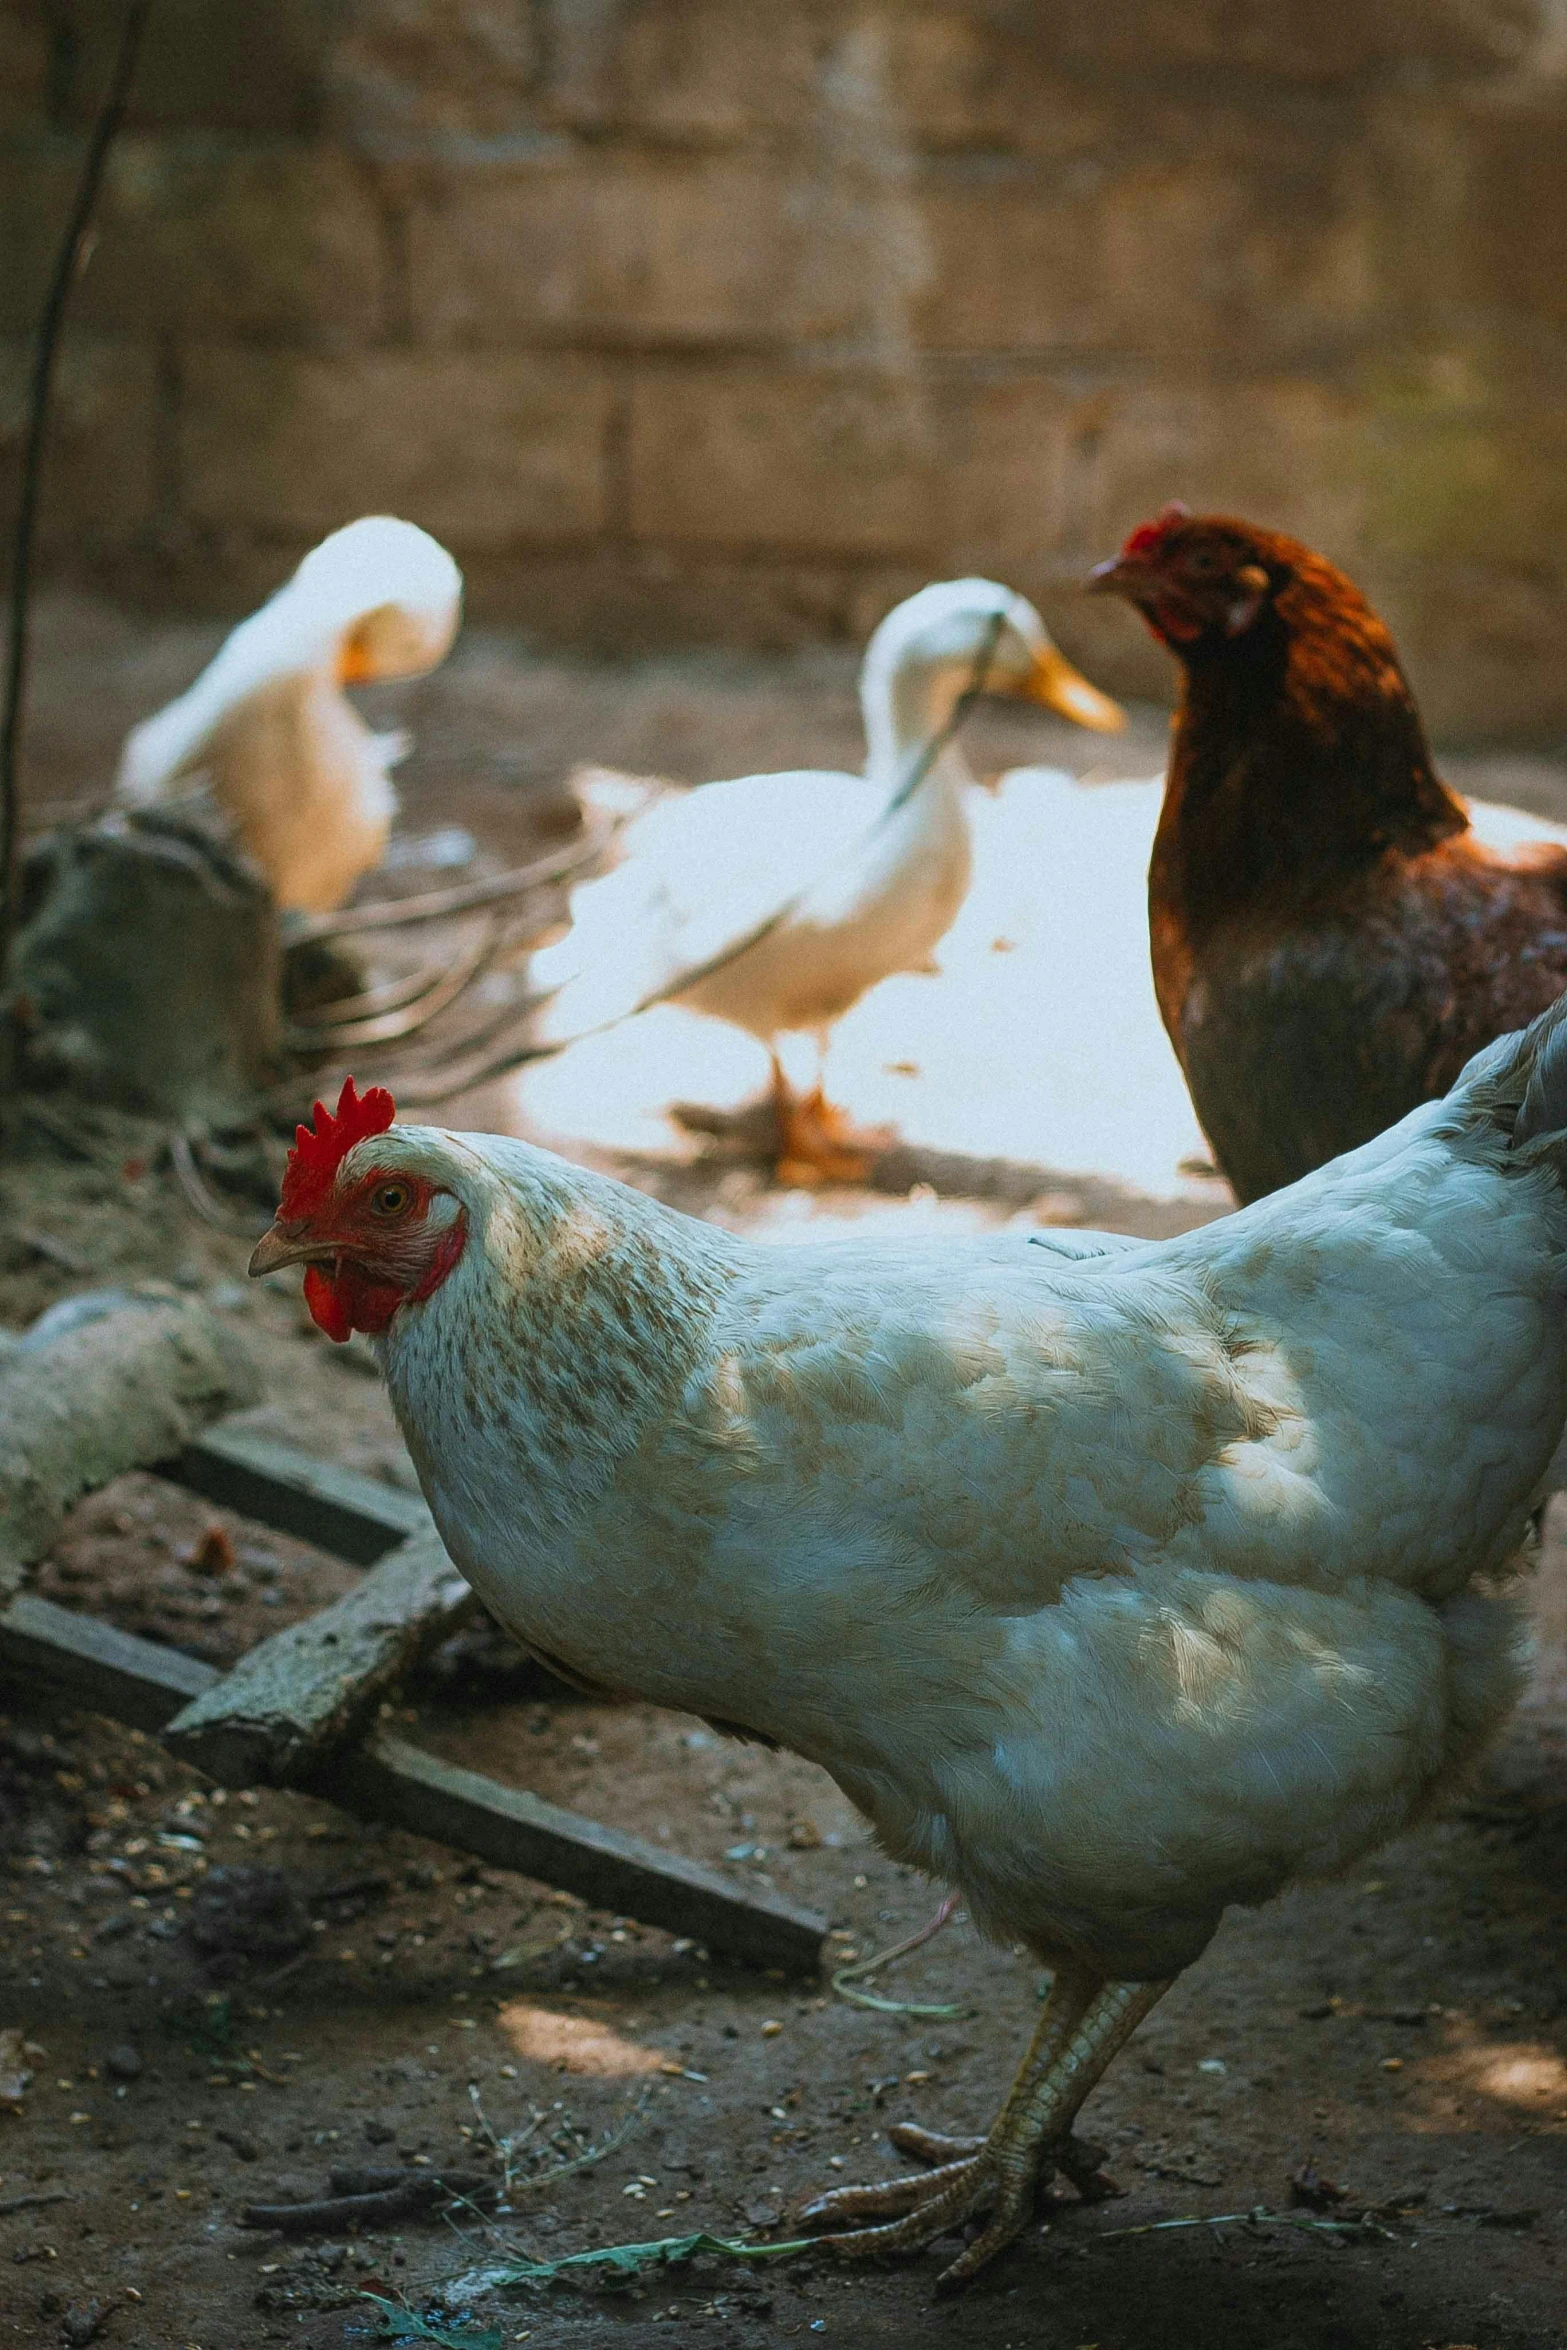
275,1717
111,1672
146,1684
356,1518
104,1382
388,1779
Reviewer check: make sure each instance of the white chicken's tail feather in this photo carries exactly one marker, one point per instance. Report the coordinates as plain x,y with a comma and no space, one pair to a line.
1520,1081
1542,1113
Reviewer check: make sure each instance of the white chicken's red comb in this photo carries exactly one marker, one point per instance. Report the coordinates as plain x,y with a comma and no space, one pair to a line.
317,1154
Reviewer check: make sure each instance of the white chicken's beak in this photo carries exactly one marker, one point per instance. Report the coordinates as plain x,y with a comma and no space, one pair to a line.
284,1244
1056,685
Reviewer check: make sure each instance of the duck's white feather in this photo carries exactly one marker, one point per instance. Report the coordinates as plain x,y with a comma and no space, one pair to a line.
266,731
846,898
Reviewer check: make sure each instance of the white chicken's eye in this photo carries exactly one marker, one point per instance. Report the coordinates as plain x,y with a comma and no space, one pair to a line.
390,1199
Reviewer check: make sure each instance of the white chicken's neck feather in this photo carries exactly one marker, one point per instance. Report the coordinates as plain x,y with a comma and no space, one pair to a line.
602,1297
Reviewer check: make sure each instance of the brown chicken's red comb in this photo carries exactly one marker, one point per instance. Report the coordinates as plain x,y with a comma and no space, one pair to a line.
1150,535
317,1155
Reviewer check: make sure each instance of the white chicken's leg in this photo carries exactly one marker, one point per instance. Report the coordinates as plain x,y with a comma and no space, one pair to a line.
1084,2023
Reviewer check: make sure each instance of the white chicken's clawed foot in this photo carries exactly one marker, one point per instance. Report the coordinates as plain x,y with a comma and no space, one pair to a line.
1085,2021
1077,2159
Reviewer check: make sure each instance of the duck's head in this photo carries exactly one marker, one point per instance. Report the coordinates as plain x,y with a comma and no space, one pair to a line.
379,598
387,594
962,633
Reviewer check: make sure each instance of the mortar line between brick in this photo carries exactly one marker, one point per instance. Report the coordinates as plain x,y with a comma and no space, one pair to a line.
168,397
617,458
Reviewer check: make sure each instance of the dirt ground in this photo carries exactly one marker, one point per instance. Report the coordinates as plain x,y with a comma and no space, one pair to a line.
227,1998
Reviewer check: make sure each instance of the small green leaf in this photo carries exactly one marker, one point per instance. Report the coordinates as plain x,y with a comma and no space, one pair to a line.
620,2263
402,2324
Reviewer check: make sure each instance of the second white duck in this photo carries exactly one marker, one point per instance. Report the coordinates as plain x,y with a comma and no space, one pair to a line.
843,879
267,730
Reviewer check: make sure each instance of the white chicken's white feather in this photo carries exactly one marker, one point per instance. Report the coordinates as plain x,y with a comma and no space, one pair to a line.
1113,1587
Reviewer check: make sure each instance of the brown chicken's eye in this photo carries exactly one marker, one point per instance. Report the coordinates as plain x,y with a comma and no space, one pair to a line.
391,1199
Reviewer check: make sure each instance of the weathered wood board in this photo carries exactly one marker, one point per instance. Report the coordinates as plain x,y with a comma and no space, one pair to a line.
96,1665
146,1684
356,1518
107,1381
388,1779
274,1718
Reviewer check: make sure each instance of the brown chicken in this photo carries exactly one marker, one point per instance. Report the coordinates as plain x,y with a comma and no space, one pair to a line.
1331,940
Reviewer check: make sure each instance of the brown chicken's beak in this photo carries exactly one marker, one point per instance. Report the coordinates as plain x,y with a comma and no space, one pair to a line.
1118,575
279,1246
1056,685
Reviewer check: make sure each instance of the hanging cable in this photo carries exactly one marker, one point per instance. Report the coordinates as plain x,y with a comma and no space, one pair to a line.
68,264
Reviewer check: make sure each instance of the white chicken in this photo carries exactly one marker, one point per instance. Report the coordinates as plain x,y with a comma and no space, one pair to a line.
1113,1581
836,880
266,728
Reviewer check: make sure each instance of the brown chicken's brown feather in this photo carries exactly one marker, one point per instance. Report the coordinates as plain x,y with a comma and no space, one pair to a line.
1330,940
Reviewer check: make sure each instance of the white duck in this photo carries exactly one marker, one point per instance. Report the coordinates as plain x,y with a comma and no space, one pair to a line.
267,730
863,873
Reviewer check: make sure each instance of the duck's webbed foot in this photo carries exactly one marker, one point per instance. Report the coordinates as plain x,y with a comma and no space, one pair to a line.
818,1143
1085,2021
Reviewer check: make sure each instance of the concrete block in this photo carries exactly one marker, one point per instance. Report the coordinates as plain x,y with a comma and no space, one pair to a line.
834,460
203,67
1015,268
1287,42
699,72
960,84
620,598
1005,476
1482,645
99,476
37,173
1463,455
1247,258
674,249
419,78
1516,214
263,238
24,67
1281,450
483,450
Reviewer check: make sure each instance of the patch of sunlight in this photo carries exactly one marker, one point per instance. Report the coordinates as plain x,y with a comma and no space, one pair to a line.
1531,2077
573,2043
1038,1038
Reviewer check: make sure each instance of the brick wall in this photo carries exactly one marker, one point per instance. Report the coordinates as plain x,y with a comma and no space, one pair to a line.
738,318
